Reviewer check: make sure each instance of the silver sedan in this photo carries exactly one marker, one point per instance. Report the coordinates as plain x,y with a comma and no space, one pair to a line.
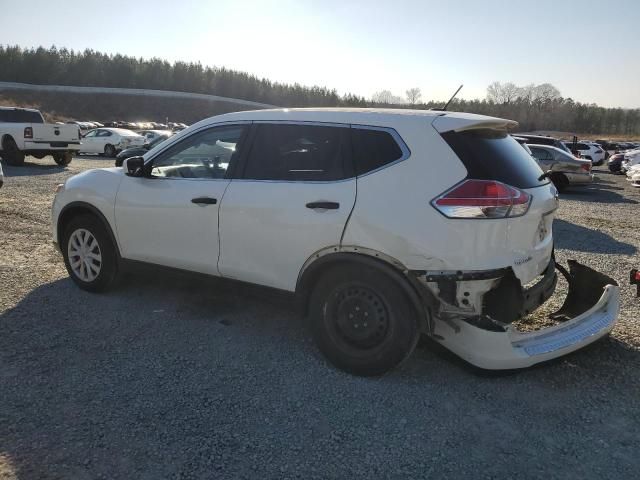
561,167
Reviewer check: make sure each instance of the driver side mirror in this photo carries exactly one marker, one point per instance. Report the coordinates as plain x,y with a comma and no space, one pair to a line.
133,167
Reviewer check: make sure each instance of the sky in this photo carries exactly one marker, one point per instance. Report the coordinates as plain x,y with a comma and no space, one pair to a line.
590,50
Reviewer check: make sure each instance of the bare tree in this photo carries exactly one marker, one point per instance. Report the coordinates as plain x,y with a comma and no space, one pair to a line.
414,95
385,96
503,92
545,92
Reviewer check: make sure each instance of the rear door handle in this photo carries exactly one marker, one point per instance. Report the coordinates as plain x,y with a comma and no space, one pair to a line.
204,201
324,205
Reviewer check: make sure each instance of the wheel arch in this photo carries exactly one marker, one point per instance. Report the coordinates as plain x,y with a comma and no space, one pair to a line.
74,209
421,300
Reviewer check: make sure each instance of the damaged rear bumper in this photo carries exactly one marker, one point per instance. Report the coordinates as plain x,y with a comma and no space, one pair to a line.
589,312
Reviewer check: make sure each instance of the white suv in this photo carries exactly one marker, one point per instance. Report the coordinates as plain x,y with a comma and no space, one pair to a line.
385,223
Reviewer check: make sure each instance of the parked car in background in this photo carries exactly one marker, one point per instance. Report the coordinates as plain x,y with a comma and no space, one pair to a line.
588,150
110,141
23,132
151,135
544,140
630,161
563,168
615,162
139,151
272,201
1,176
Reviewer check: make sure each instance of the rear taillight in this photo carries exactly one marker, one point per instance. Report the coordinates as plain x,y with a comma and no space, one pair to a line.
586,166
482,199
28,132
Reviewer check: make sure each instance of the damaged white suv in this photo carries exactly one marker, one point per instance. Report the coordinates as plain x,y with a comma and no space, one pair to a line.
387,224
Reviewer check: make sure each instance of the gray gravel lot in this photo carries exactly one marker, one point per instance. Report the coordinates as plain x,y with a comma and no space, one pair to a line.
173,376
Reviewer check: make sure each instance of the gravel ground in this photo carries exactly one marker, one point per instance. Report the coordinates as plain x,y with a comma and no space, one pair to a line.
171,376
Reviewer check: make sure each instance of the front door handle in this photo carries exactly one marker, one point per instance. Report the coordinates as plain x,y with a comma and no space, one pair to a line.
204,201
324,205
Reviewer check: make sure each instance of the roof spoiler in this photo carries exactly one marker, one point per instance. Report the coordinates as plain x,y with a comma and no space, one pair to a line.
447,123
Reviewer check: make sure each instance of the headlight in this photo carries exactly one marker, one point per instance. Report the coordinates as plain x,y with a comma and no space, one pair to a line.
59,188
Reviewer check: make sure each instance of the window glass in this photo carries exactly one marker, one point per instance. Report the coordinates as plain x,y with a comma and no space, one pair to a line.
494,155
103,133
299,153
90,134
202,155
20,116
373,149
541,154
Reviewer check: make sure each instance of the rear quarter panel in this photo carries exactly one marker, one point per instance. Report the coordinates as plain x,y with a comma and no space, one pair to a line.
393,214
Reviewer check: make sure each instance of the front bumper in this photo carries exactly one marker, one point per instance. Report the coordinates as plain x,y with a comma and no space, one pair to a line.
590,312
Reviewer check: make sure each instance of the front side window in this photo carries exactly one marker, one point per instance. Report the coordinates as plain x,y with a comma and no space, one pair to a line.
299,153
205,154
91,134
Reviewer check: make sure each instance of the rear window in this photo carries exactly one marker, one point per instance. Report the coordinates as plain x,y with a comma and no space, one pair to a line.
494,155
20,116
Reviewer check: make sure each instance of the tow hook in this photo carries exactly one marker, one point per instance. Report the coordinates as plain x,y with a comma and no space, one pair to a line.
635,280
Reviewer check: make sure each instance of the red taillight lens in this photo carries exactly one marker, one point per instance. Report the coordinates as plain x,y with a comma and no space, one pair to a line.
482,199
28,132
586,166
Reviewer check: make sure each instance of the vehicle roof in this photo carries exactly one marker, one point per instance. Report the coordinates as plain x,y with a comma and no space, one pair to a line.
568,155
20,108
527,135
364,116
120,131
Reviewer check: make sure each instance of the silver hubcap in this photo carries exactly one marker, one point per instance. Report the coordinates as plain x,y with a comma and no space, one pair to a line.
84,254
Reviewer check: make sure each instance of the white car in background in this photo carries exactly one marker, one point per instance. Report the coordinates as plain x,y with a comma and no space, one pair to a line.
110,141
151,135
589,151
269,197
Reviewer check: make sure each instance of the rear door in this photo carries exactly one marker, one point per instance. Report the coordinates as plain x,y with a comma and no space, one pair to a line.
291,198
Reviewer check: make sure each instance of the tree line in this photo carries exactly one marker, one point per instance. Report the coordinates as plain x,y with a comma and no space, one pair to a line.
535,107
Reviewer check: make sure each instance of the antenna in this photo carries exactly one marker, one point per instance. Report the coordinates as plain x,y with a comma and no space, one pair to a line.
446,105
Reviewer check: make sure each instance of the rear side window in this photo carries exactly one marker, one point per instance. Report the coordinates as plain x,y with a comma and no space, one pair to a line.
494,155
20,116
373,149
299,153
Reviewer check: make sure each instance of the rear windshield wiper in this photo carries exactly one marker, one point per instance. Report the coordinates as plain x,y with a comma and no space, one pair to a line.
544,175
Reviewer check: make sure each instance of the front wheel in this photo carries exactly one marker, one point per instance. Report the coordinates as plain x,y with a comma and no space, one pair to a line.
89,253
362,321
63,159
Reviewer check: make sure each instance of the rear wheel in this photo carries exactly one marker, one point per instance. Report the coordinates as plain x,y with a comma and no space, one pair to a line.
362,321
89,253
109,151
11,153
560,181
63,158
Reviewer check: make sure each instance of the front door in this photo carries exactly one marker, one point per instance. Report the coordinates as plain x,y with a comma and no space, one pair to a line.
171,217
292,198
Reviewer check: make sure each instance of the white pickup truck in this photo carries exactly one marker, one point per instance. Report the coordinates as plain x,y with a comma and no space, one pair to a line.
24,132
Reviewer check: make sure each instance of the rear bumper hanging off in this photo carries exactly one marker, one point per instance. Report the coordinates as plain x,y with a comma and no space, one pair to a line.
589,313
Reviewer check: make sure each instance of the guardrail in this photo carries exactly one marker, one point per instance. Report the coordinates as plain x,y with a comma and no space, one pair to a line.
130,91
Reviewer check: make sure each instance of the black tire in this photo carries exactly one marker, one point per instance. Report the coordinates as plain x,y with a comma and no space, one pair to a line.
109,263
11,154
109,151
560,181
63,159
348,298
